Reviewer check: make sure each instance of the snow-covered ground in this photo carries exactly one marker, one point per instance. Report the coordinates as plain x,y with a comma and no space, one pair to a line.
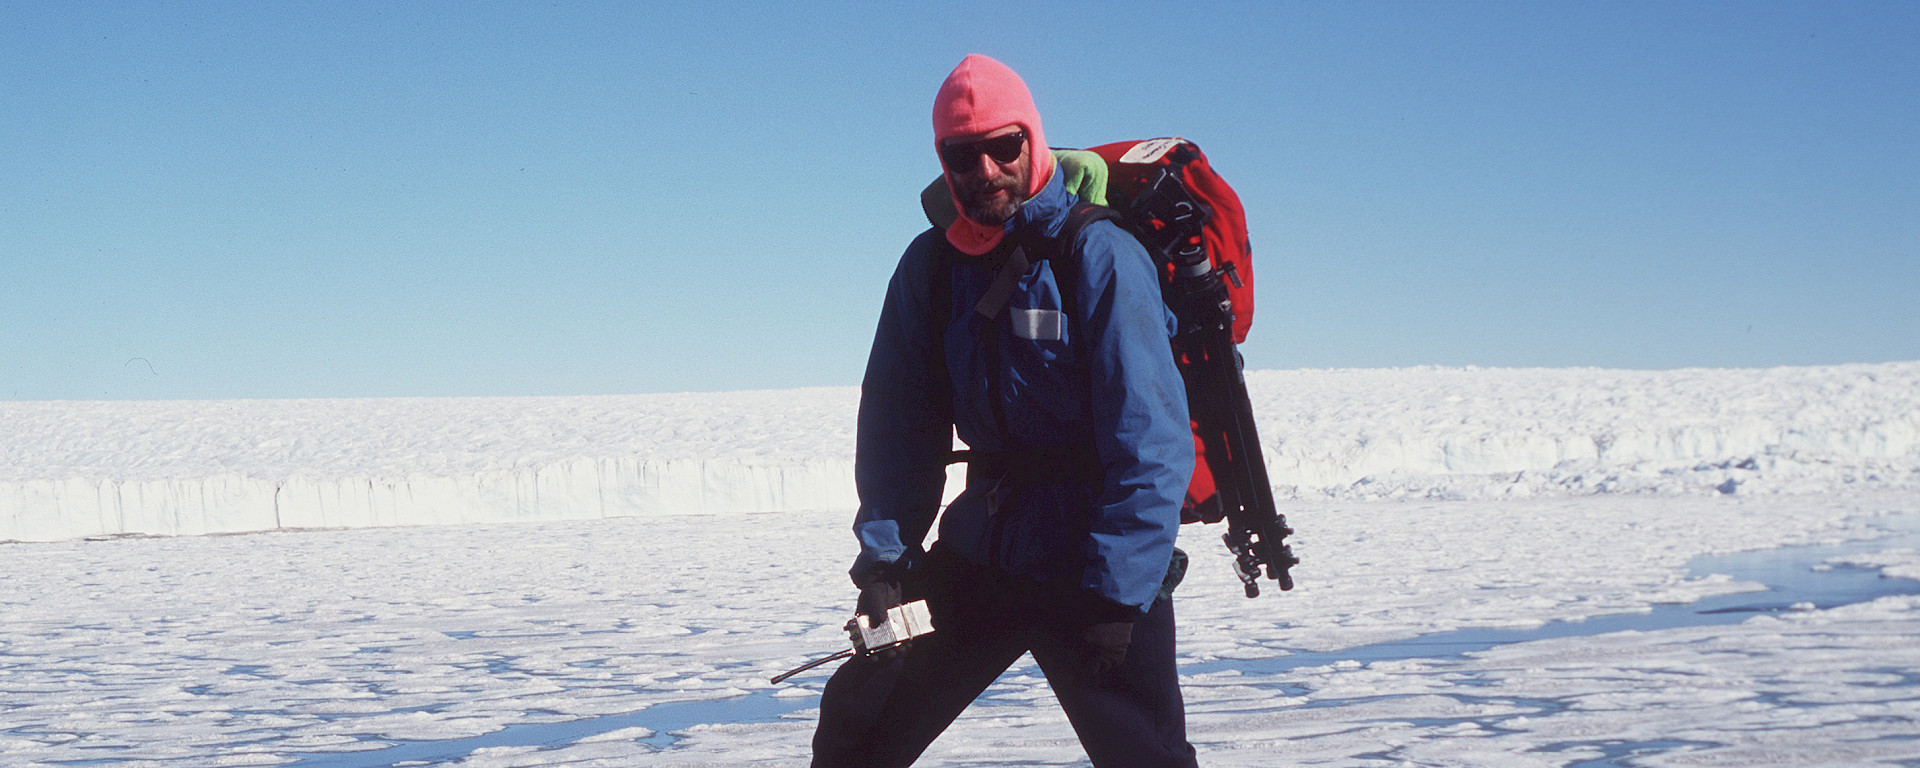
260,649
568,642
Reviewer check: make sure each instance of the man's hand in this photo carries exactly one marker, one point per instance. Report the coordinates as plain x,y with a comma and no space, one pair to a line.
1108,633
1107,645
881,591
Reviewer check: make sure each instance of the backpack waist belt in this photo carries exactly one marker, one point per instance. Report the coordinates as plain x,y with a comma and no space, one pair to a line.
1032,466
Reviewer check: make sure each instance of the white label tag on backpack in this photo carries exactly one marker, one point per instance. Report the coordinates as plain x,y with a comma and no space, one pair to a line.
1038,324
1151,150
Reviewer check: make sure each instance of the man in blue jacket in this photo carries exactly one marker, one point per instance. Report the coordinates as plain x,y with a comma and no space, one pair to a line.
1060,380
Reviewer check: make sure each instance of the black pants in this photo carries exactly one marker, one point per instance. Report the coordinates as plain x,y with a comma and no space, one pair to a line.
882,712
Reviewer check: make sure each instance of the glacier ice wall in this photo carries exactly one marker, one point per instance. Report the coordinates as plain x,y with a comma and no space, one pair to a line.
83,469
578,488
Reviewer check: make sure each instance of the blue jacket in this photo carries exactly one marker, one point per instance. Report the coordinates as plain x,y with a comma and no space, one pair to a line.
1114,388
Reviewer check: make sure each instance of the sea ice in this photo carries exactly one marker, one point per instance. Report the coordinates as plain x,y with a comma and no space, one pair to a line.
297,645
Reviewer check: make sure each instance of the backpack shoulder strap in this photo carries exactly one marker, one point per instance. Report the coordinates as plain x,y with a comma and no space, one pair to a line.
940,272
940,307
1063,250
1083,214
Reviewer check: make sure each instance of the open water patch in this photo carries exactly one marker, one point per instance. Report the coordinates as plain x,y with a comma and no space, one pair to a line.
1797,578
662,719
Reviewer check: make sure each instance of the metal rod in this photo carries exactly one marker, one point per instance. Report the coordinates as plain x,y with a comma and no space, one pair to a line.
810,665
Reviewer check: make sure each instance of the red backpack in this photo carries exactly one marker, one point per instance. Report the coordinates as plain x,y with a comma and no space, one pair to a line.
1190,221
1175,203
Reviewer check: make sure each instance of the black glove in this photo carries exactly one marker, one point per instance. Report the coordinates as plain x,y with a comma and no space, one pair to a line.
880,591
1107,645
1108,634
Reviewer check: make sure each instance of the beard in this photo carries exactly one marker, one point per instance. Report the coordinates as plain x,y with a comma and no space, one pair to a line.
982,206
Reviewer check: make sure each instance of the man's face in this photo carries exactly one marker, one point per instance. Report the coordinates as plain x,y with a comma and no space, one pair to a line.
989,186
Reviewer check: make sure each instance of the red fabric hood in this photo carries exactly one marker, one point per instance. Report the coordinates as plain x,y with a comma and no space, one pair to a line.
979,96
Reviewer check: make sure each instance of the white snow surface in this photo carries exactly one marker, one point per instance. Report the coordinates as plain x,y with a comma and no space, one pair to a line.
275,648
79,469
1426,501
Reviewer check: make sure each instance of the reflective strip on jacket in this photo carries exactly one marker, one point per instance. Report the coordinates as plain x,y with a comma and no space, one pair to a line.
1115,388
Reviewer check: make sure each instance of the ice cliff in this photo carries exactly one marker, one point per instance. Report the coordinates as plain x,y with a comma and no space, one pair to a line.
79,469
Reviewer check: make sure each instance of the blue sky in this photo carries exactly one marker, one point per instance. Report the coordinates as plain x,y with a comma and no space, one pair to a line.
272,200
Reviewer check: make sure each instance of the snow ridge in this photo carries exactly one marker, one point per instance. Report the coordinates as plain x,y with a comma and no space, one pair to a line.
1489,433
80,469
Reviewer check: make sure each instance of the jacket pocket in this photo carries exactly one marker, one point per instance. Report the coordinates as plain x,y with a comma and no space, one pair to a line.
1040,358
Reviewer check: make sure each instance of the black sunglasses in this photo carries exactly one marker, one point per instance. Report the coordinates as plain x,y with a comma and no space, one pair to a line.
1003,149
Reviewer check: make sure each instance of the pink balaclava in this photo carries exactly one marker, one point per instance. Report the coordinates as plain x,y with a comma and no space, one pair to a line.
983,95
